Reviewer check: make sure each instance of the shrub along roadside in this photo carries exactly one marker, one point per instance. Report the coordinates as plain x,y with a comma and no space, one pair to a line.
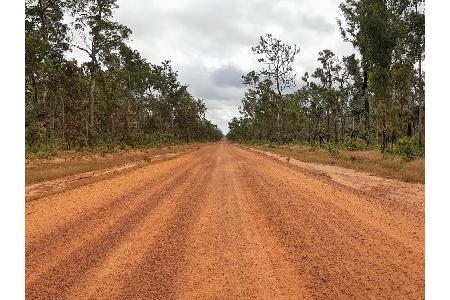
407,147
67,163
106,143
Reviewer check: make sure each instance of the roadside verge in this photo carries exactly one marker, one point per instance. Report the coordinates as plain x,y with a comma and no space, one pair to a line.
113,167
375,186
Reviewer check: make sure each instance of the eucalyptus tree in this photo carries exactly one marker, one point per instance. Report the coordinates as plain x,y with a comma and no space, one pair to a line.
46,40
376,94
258,107
374,28
278,59
414,42
352,30
135,102
326,74
100,37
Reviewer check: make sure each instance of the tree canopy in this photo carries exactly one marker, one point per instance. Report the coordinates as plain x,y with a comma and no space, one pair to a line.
114,99
373,98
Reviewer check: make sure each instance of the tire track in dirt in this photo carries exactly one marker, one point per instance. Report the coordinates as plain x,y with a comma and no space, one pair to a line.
386,215
154,277
47,215
105,212
230,256
80,251
102,212
223,222
339,255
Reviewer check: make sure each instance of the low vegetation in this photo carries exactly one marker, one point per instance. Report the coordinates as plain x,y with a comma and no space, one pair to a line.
371,161
67,163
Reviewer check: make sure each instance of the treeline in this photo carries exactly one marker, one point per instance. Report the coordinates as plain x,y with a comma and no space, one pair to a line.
115,99
373,98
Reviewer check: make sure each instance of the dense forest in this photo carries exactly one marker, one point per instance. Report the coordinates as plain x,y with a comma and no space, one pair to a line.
373,98
114,99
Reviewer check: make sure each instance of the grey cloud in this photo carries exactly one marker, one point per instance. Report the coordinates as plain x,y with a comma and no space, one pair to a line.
228,75
203,84
317,24
222,116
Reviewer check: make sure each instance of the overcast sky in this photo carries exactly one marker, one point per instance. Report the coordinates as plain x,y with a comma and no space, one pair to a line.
209,41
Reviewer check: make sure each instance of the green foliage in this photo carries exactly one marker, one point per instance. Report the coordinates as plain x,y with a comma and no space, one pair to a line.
46,149
35,134
331,148
115,101
366,100
407,147
356,144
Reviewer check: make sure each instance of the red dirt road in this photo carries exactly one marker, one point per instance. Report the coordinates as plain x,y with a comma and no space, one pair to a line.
223,222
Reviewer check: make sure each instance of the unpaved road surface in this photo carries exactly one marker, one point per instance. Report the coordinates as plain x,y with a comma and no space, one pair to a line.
223,222
52,186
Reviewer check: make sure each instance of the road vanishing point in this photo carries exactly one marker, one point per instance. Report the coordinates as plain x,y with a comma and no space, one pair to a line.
223,222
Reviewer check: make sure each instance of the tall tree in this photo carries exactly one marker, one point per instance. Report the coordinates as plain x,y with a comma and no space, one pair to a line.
46,40
135,102
278,59
327,75
102,38
375,94
373,26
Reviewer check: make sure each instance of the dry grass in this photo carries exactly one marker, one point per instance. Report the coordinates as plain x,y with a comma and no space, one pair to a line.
69,163
373,162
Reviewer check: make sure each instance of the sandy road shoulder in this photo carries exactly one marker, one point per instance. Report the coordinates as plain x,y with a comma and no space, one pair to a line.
344,244
411,194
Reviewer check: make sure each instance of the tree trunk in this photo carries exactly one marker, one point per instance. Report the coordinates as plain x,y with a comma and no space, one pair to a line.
309,131
91,102
87,131
366,102
47,121
386,119
328,125
384,134
421,98
410,110
35,96
63,121
279,111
